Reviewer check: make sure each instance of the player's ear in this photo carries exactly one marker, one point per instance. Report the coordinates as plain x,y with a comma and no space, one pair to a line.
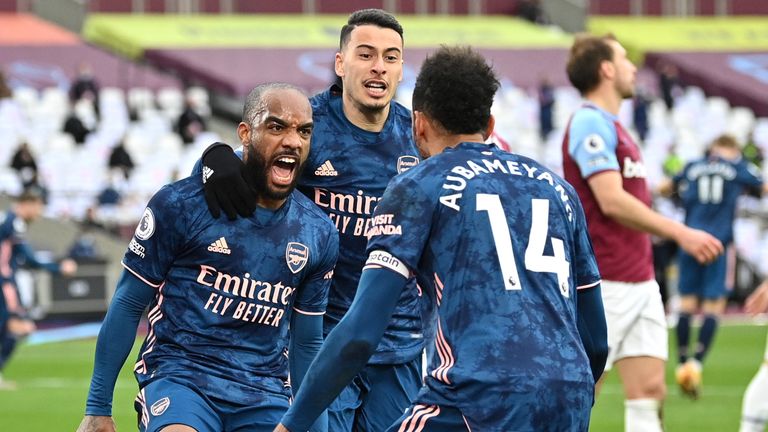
419,123
607,69
338,65
244,133
489,128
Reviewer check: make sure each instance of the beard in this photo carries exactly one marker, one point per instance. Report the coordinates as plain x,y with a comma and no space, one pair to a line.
257,171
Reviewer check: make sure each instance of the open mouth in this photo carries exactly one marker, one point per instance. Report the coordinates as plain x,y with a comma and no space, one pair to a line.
283,170
376,87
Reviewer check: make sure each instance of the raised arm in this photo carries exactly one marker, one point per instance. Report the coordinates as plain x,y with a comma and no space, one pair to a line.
347,348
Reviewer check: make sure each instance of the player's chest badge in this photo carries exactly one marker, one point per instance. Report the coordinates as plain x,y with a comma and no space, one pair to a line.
296,255
404,163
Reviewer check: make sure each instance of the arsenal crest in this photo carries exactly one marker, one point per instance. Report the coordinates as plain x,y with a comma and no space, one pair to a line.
296,255
404,163
159,407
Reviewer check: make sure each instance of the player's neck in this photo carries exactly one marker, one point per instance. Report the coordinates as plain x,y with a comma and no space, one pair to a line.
366,119
270,204
605,99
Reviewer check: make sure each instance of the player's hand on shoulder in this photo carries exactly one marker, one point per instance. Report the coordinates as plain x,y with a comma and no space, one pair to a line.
68,267
224,184
97,424
757,302
704,247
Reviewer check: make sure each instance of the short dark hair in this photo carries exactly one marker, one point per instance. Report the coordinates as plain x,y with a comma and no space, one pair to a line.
587,54
456,87
254,102
375,17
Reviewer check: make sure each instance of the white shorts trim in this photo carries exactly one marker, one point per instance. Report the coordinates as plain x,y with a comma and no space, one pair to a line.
637,326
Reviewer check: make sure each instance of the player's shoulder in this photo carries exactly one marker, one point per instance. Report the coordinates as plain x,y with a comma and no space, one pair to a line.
320,102
400,112
311,213
182,197
589,116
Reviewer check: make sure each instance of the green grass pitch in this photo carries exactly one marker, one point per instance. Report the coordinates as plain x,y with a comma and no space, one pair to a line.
53,384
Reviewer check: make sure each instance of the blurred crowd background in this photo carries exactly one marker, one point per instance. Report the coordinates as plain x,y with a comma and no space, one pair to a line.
104,101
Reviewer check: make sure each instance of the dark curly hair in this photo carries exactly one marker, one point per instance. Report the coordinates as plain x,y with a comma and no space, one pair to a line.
455,87
587,54
375,17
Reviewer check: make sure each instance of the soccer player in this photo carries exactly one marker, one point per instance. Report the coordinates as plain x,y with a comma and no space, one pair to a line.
500,247
604,165
709,188
754,409
222,294
15,322
362,139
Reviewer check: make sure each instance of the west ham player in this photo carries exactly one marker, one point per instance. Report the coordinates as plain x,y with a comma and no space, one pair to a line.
500,247
223,294
605,167
361,140
709,188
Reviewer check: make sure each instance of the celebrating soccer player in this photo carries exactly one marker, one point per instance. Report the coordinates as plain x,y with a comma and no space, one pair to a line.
604,164
499,245
222,294
362,139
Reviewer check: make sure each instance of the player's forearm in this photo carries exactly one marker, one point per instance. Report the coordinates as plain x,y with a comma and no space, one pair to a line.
116,337
306,340
633,213
592,328
347,348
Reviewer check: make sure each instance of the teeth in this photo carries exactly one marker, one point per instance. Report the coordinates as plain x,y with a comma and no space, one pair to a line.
286,160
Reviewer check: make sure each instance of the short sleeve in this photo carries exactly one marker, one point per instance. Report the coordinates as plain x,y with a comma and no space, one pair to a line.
158,238
400,225
313,293
592,142
586,273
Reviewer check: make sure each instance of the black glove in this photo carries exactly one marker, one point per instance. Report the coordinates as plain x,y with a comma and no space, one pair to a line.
224,185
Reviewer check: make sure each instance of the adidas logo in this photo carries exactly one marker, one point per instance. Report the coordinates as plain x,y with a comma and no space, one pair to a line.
326,169
207,173
220,246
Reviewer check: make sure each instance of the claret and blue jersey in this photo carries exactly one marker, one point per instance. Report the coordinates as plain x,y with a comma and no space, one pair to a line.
503,275
346,174
220,281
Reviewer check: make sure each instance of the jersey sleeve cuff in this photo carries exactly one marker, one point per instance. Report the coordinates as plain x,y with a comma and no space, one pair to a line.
304,312
383,259
589,285
142,278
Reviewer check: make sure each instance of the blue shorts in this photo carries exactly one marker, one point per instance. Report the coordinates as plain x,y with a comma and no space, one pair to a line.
376,397
168,401
703,281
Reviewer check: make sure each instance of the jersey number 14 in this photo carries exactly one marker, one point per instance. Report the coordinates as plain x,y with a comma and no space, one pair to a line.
535,260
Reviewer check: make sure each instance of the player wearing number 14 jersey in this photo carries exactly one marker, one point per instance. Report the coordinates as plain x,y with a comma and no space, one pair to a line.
499,245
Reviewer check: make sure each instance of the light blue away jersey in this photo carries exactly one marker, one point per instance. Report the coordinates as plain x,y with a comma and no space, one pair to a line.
346,174
227,289
499,244
709,188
